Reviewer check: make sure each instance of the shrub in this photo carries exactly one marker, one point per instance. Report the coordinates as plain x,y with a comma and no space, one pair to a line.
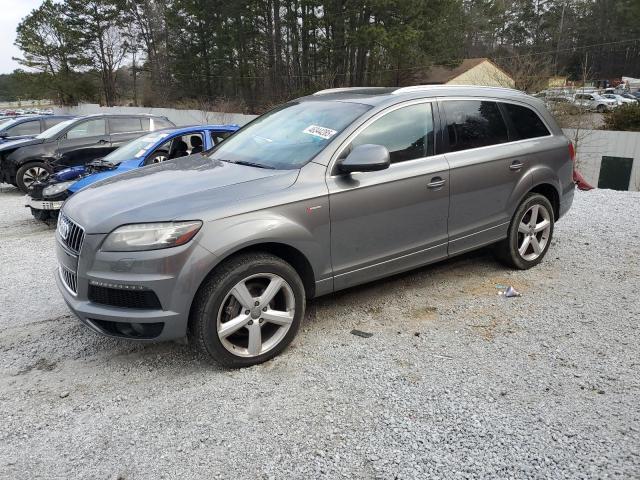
626,118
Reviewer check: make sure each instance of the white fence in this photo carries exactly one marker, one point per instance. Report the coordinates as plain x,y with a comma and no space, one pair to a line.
179,117
593,145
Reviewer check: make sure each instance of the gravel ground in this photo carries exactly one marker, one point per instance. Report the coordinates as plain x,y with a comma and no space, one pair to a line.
456,381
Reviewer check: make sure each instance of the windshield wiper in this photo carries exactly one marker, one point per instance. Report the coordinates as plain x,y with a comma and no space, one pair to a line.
252,164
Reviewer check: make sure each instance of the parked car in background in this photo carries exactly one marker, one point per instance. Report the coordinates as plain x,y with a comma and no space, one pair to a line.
18,128
71,143
594,102
323,193
45,198
620,100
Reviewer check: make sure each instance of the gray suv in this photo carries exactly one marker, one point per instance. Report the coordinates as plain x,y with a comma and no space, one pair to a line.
325,192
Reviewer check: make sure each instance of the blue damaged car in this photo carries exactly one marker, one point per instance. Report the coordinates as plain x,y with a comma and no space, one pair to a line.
45,199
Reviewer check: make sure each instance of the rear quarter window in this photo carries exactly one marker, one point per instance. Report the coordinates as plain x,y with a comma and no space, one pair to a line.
526,123
125,125
473,124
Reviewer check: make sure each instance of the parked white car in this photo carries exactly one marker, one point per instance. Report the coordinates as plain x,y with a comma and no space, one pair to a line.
620,98
594,101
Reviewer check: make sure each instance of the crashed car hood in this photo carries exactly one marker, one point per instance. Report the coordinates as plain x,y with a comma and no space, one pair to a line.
188,188
25,142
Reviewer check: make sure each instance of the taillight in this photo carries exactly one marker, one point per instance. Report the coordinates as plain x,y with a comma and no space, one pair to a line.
572,152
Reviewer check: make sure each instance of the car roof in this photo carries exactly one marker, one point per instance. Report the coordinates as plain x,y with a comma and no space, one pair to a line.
26,118
377,96
116,115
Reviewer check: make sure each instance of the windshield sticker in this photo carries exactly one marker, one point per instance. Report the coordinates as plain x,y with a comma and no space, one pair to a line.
321,132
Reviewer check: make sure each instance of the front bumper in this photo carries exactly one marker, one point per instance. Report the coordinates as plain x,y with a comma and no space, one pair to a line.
42,204
174,275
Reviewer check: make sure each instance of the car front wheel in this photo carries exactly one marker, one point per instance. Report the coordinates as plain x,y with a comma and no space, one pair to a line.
248,311
529,235
30,173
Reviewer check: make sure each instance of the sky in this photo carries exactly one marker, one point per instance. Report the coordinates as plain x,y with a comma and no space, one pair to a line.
12,11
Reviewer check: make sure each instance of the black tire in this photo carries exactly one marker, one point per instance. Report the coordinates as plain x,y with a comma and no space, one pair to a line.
507,250
601,109
209,300
41,215
20,174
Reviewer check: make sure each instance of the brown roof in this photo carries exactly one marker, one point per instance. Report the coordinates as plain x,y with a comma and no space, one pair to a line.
439,74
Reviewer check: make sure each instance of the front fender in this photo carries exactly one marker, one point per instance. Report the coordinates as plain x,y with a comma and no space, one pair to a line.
295,228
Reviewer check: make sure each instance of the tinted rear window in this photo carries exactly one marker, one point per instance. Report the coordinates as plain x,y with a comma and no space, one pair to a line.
124,125
473,124
526,122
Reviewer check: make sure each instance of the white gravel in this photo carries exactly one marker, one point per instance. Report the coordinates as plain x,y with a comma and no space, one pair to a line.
456,381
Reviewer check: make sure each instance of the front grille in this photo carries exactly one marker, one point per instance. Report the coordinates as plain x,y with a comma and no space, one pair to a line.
69,278
71,234
116,297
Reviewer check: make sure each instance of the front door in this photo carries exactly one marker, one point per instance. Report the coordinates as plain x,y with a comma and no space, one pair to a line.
84,142
395,219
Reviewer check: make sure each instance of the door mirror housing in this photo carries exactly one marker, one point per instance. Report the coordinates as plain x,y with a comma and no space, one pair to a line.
366,158
4,134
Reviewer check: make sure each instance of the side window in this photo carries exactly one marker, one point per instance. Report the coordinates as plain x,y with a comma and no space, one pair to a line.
124,125
406,132
217,137
526,122
25,128
473,124
90,128
146,124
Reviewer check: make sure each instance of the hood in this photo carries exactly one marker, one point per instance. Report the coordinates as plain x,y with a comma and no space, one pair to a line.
187,188
25,142
95,177
16,137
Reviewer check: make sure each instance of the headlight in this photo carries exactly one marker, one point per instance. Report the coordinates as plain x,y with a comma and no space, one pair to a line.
150,236
56,188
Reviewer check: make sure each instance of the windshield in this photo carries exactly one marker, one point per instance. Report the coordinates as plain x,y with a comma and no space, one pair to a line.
55,130
289,136
135,148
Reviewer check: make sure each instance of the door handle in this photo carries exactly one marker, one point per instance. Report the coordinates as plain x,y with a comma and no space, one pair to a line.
102,141
435,183
516,165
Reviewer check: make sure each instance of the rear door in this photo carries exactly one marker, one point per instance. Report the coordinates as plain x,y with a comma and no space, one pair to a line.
125,129
395,219
485,169
84,142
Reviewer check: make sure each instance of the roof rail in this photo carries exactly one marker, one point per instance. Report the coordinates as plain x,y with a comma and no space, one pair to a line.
350,89
420,88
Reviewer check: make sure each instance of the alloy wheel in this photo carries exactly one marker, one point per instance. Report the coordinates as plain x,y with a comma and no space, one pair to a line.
534,231
34,174
256,315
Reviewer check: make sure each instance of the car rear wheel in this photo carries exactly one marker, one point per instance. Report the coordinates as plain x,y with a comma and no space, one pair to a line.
529,235
601,108
30,173
248,311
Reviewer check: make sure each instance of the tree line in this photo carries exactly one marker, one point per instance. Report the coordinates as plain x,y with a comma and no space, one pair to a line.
256,53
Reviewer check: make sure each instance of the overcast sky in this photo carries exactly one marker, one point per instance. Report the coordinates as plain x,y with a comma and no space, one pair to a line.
11,12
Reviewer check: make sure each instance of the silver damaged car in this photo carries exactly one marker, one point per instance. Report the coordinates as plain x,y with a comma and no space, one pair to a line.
322,193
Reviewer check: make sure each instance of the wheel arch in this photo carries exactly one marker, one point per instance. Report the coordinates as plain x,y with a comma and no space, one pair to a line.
551,193
286,252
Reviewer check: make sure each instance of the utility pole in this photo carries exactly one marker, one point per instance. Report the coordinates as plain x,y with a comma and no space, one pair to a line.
555,68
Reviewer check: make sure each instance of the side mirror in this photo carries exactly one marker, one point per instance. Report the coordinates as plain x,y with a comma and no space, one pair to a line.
4,134
366,158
